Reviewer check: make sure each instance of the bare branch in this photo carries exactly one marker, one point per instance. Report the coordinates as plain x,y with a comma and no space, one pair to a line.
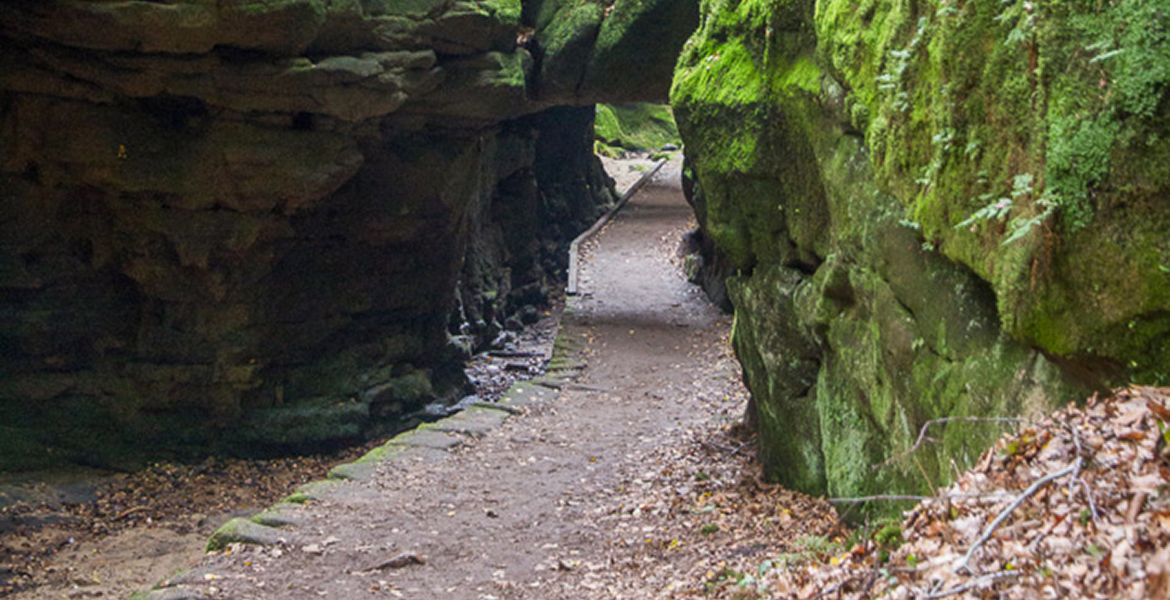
1076,478
1003,515
970,584
993,496
879,497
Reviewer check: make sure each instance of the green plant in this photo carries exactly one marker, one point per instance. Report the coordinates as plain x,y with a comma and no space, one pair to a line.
889,536
888,539
723,576
1000,207
894,80
809,549
1019,227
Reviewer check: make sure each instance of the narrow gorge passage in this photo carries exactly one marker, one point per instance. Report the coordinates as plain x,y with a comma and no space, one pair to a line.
537,507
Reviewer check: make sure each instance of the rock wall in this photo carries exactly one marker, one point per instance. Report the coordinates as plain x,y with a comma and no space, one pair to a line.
924,209
262,226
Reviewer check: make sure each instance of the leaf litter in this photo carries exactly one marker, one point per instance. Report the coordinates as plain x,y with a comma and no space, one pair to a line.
1071,506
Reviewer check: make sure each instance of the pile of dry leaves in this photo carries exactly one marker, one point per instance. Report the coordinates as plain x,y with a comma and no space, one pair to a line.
1073,506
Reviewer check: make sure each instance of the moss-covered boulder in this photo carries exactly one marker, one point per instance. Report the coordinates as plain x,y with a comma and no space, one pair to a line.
607,50
928,210
636,126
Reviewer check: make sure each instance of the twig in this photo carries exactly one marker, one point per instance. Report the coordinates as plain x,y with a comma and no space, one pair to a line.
873,576
751,442
970,584
1003,515
836,589
399,561
925,426
878,497
1076,478
894,497
1089,496
128,512
714,446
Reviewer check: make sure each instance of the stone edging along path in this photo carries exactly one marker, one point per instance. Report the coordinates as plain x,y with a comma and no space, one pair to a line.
428,442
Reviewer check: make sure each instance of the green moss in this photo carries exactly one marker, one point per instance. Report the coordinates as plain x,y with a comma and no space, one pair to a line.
504,11
854,155
957,102
636,48
568,39
639,126
802,75
782,380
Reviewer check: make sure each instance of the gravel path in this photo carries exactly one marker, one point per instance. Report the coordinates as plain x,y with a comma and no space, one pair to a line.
533,508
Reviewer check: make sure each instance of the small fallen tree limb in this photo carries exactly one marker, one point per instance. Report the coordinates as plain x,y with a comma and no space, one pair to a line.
1076,478
732,450
879,497
991,496
751,442
128,512
1003,515
978,581
398,561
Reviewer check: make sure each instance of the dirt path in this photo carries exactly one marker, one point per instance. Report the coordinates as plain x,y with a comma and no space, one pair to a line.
591,495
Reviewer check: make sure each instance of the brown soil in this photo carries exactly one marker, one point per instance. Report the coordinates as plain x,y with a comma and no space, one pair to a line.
94,534
630,484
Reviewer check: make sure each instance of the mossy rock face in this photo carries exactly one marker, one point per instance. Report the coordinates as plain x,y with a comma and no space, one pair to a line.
636,48
1057,112
836,147
638,126
603,51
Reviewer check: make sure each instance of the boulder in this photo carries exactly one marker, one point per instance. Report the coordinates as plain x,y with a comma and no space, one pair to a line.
923,212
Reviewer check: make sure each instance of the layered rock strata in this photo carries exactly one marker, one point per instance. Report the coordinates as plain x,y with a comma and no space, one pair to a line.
262,226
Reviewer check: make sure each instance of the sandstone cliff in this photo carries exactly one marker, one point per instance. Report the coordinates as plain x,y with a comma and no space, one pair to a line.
255,226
